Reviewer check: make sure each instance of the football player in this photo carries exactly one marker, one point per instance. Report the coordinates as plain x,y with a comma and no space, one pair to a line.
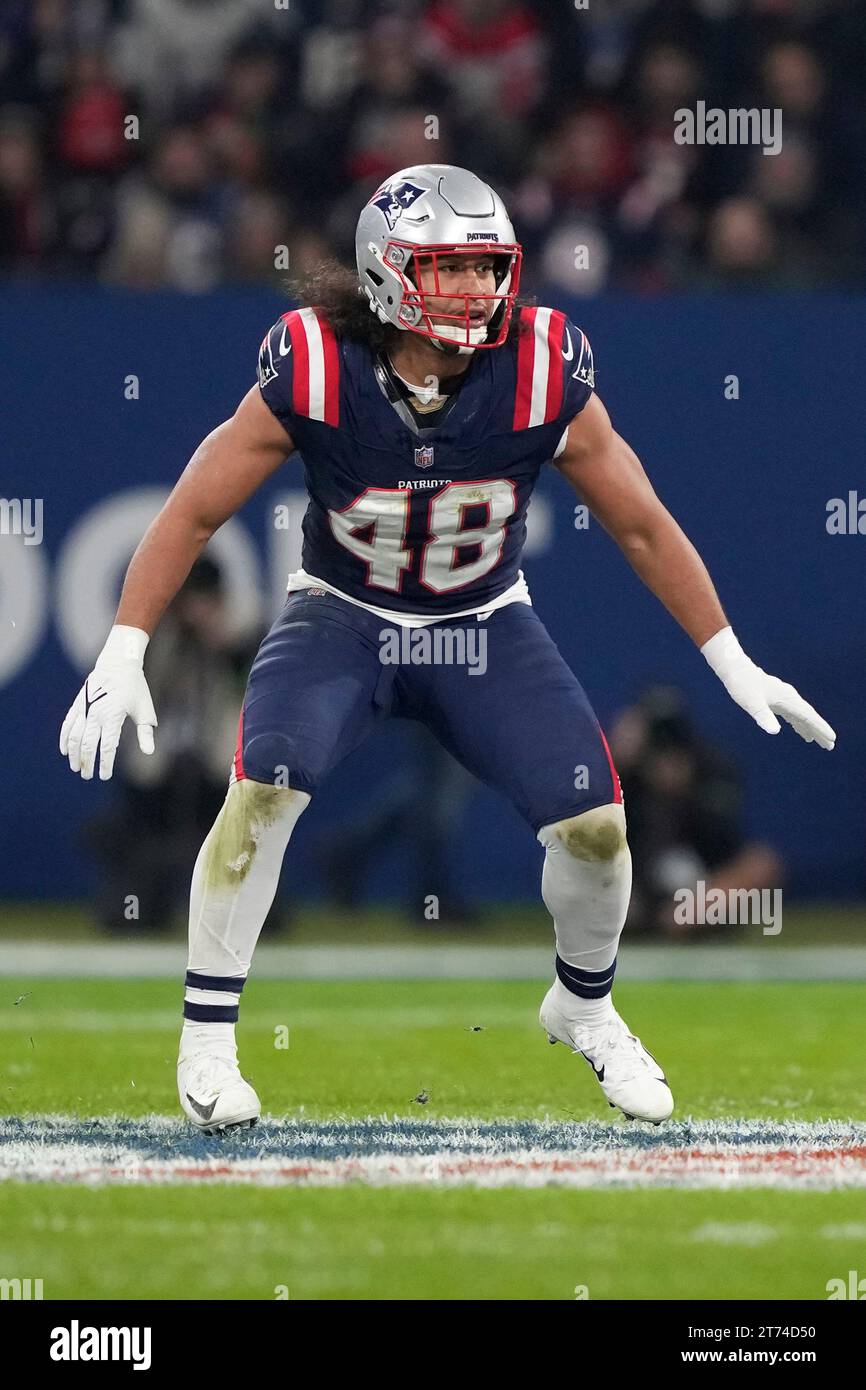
424,402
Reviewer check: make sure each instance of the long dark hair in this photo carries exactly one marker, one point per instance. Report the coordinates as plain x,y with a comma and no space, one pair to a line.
333,288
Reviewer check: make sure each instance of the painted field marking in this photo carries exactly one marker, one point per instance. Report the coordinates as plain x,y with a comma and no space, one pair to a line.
385,1152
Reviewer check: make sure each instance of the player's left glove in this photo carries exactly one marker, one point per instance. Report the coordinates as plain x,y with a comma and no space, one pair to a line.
763,696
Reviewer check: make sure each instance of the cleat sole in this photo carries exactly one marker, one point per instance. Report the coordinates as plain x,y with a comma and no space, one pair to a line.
217,1131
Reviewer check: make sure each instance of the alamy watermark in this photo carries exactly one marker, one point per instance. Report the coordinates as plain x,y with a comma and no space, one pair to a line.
719,907
846,516
77,1343
22,516
736,126
21,1289
854,1287
435,646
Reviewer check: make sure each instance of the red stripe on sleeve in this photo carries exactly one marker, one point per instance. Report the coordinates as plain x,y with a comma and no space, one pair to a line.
300,365
525,365
555,366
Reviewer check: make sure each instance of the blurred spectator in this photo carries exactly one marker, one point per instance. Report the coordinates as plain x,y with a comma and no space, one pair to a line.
148,842
171,218
491,53
27,222
683,805
90,121
332,57
92,151
256,227
741,248
394,81
173,52
582,169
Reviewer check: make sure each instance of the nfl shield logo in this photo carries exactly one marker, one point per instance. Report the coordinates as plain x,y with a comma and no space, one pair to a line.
424,456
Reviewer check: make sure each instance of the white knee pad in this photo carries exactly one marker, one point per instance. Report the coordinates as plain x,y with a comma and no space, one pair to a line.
586,884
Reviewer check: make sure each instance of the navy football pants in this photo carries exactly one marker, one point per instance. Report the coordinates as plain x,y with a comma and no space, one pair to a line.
524,726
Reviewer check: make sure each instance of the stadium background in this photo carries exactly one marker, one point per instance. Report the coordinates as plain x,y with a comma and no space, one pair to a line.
261,128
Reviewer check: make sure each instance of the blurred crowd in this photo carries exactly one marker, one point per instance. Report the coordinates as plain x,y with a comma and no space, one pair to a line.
179,143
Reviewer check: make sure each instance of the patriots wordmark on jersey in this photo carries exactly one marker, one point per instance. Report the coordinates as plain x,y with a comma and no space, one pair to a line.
370,531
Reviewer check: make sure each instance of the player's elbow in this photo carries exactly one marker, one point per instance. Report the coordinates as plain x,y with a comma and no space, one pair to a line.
645,532
636,543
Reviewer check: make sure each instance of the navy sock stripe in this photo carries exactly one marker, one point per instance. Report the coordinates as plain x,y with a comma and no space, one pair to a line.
587,984
228,984
211,1013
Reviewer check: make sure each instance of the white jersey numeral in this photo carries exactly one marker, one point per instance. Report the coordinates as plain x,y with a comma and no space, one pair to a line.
439,569
385,512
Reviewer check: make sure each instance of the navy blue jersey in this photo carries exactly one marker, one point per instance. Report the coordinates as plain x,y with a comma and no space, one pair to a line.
424,520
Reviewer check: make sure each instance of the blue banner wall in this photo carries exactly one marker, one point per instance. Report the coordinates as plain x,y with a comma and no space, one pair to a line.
749,479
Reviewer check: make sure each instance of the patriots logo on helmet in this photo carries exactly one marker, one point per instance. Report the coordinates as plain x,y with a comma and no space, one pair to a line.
394,201
424,456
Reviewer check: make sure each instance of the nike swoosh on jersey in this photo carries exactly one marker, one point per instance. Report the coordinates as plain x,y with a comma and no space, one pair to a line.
568,355
206,1111
285,348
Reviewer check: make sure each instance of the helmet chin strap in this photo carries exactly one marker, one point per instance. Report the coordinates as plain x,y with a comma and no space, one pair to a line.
444,341
452,349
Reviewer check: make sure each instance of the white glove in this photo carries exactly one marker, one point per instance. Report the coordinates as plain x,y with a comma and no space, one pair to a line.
763,696
115,688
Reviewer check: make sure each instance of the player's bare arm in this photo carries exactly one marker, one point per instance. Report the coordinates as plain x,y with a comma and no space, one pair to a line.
608,476
225,470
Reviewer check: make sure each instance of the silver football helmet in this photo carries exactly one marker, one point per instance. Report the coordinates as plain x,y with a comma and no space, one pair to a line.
432,211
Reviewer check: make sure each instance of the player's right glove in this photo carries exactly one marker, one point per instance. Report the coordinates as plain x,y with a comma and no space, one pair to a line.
115,688
763,696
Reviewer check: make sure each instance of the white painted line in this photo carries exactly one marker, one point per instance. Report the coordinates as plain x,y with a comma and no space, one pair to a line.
524,1168
167,960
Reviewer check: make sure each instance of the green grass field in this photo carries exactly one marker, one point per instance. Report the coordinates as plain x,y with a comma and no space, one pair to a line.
94,1049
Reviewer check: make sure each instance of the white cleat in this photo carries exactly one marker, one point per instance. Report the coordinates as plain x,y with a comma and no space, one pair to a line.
630,1077
213,1094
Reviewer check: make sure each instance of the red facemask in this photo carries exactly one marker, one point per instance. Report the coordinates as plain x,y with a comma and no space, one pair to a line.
455,327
